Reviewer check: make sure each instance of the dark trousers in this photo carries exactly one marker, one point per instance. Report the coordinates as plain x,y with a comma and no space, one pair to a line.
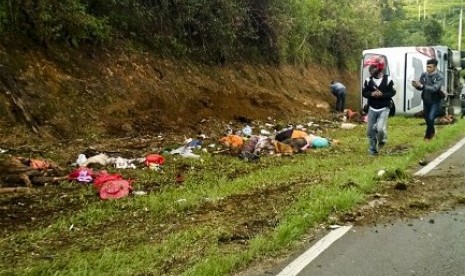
340,101
431,111
284,135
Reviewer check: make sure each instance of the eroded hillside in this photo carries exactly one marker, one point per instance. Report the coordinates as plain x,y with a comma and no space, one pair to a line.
62,94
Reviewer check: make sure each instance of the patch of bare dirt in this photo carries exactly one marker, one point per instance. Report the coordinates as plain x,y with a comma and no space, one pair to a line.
38,209
64,94
405,199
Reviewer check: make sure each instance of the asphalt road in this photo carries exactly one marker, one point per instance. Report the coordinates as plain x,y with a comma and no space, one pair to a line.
433,245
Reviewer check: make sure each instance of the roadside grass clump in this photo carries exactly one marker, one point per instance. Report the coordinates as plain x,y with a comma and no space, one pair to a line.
225,214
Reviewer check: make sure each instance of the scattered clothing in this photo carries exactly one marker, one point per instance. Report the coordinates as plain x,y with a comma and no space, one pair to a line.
115,189
320,142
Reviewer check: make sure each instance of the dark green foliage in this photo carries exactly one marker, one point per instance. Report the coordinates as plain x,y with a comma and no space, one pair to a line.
52,21
391,13
393,26
392,34
215,31
3,16
221,31
433,32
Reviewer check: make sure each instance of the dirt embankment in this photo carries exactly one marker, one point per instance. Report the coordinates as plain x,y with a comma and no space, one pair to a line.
62,94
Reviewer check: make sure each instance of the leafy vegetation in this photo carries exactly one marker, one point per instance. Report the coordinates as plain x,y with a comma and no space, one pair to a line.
296,32
226,214
427,23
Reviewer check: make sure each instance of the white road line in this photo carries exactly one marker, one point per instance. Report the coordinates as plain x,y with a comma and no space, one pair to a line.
440,158
303,260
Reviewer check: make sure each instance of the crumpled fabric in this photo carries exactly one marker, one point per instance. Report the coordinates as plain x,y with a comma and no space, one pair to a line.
81,174
348,126
320,142
184,152
124,163
38,164
250,144
299,134
194,144
264,144
101,159
247,131
103,177
115,189
81,159
232,141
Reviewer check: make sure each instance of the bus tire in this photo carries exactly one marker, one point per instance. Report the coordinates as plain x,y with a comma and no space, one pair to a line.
392,109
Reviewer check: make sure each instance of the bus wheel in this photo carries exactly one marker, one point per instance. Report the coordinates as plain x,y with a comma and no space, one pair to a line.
462,101
392,109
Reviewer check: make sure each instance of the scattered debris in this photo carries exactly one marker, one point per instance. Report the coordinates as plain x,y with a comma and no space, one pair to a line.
400,186
423,162
381,173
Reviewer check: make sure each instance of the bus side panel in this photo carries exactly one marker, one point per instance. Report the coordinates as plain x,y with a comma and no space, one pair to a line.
363,101
397,73
415,64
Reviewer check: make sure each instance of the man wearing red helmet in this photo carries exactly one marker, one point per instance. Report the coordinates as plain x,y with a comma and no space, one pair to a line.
379,90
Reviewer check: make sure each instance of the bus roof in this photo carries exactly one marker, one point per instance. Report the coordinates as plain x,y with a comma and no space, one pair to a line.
409,49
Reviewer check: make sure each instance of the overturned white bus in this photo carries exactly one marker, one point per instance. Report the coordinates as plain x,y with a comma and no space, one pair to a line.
405,64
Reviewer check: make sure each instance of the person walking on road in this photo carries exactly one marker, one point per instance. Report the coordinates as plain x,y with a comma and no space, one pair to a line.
430,84
379,90
339,91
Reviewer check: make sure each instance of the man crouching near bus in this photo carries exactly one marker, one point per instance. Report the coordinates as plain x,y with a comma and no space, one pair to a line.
378,89
430,84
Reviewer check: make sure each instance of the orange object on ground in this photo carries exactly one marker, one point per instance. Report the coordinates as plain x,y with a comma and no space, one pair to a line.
154,159
39,164
299,134
350,114
232,141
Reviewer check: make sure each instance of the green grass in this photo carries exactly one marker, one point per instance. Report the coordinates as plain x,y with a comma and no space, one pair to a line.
178,229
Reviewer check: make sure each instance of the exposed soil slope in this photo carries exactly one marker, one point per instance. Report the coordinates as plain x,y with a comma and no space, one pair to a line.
62,94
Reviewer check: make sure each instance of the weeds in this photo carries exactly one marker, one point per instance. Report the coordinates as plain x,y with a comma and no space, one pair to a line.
225,214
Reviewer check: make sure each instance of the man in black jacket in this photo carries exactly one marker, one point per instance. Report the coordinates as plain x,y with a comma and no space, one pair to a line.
430,84
379,90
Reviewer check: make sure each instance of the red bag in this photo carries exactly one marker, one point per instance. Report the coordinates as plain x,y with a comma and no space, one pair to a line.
154,159
105,177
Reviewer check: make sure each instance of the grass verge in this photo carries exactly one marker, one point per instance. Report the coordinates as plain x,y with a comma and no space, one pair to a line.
226,214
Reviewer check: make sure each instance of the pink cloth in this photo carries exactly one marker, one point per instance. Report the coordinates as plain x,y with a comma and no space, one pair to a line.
115,189
81,174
